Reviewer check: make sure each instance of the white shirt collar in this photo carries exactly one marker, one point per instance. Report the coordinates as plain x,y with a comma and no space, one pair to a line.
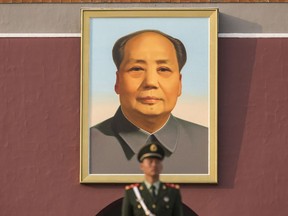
156,185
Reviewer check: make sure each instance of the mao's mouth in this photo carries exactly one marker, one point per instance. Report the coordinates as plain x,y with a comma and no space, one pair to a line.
149,100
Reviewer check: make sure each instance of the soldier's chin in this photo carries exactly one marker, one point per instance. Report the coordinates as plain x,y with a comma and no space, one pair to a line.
156,172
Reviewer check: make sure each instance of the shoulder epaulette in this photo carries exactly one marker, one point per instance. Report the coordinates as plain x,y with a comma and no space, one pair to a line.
131,186
176,186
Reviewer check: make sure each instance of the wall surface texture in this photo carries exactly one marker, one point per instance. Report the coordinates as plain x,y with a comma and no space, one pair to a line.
40,101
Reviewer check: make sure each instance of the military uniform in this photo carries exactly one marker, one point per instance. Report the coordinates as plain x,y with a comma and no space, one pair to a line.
167,202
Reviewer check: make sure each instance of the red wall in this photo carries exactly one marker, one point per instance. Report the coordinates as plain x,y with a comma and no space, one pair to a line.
39,131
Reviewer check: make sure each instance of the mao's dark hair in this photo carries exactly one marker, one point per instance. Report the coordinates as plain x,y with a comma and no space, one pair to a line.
118,49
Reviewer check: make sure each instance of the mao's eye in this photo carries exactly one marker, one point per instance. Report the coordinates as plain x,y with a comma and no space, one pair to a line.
164,69
136,68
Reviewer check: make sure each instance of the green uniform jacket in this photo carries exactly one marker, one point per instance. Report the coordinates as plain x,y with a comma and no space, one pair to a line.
167,203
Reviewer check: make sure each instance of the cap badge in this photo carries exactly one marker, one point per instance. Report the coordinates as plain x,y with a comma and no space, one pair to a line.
166,199
153,148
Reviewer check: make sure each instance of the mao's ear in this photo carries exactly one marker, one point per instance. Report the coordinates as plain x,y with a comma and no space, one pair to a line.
180,85
116,86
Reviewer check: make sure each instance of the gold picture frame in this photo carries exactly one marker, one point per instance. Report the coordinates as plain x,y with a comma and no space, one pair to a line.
100,28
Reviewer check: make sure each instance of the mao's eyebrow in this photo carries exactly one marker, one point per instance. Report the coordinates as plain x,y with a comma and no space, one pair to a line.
161,61
136,61
164,61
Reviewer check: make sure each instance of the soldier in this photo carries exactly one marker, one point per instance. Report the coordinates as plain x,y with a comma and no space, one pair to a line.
152,197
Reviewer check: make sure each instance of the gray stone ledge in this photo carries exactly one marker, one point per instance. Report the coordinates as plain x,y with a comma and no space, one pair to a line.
65,18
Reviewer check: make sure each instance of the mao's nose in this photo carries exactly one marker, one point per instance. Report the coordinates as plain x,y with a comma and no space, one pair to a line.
151,78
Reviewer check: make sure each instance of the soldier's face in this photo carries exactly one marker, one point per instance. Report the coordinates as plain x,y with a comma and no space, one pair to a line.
148,81
151,167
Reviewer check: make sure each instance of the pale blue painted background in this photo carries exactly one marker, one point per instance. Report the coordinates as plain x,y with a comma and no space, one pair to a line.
193,32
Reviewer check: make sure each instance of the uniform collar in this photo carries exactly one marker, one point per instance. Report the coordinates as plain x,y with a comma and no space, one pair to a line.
156,185
135,137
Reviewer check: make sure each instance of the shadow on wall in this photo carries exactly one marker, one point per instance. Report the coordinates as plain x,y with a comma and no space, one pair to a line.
236,62
231,24
236,59
114,209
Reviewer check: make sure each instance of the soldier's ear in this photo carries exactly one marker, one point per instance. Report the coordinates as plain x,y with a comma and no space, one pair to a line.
141,166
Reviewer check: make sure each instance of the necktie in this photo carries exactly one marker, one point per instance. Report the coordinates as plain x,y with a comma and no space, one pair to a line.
153,190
